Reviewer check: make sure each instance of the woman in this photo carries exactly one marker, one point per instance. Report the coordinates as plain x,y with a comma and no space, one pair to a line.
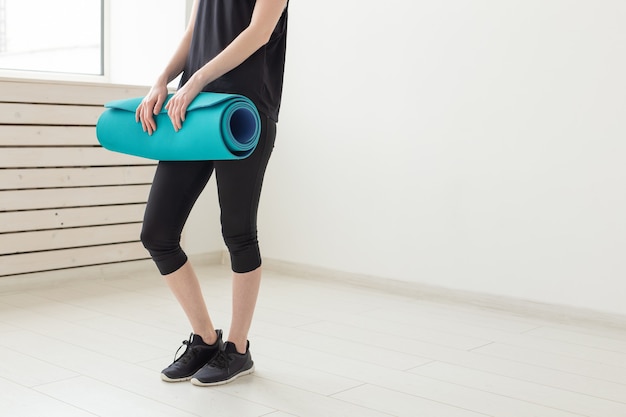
229,46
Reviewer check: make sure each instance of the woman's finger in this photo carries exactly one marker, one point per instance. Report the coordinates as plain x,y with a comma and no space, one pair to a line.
170,111
148,120
169,108
182,110
177,110
173,114
158,104
142,118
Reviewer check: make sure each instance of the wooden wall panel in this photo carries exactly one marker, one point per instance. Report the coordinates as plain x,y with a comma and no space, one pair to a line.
49,114
70,258
16,221
65,202
69,238
39,91
13,179
33,135
72,197
40,157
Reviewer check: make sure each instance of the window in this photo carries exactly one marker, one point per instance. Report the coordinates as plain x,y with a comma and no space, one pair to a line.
63,36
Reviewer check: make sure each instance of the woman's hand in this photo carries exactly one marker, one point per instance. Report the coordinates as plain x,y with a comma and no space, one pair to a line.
177,106
150,106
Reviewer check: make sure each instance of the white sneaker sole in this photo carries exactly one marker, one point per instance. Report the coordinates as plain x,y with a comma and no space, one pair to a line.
199,383
168,379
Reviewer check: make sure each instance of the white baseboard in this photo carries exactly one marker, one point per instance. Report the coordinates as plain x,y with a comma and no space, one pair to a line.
523,308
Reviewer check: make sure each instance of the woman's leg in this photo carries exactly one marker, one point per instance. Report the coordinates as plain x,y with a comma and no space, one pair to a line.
185,286
239,190
245,292
174,191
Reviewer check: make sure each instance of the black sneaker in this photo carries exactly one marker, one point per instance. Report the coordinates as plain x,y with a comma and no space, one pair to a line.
195,356
226,366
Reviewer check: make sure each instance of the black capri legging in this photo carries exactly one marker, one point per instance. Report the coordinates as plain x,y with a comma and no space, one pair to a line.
178,184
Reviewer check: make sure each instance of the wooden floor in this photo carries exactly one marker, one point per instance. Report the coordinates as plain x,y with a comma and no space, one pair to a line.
96,347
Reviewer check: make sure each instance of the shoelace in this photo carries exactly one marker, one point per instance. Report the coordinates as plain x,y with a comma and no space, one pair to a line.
188,354
220,361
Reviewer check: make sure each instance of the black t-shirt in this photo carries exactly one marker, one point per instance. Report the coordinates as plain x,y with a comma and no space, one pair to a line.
260,77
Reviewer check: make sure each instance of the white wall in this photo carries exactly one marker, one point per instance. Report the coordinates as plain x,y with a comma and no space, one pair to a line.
474,145
143,36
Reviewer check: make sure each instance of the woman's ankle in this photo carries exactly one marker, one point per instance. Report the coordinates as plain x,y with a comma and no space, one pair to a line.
208,337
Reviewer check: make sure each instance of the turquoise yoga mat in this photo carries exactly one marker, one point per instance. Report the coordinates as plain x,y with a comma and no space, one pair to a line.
217,126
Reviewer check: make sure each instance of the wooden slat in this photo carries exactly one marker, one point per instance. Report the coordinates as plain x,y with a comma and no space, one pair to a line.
69,258
19,221
49,114
65,157
25,135
14,243
72,197
35,91
14,179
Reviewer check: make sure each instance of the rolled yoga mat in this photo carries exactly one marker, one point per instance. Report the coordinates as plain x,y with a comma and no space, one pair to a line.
217,126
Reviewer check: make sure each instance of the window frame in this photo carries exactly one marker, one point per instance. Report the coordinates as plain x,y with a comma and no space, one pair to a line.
105,55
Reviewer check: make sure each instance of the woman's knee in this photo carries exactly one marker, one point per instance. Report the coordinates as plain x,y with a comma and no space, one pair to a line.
164,248
152,238
245,255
